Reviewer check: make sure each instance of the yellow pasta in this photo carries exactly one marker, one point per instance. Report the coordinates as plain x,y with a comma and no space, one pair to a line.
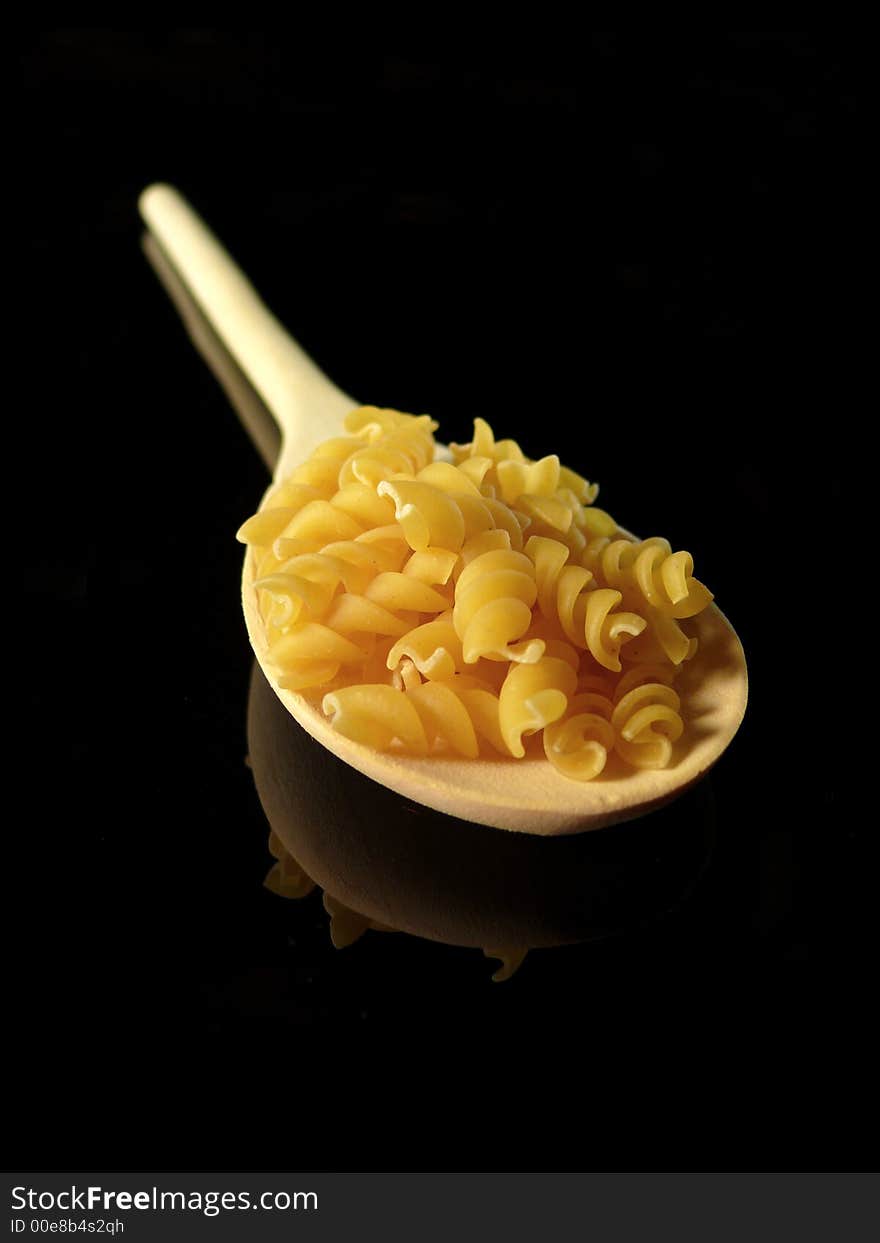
444,717
458,607
376,715
579,744
434,648
493,608
657,583
587,617
532,697
647,722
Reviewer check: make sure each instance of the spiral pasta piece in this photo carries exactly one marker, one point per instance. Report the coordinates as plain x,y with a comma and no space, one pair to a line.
520,478
656,582
434,648
532,697
579,744
457,607
493,608
647,722
393,445
377,716
606,631
426,515
587,617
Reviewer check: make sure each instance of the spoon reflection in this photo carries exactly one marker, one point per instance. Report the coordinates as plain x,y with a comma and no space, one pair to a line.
392,865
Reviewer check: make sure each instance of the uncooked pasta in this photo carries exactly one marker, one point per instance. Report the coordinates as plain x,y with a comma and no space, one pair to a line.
481,606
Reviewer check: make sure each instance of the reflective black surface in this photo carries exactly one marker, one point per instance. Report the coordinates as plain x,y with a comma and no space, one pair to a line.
635,255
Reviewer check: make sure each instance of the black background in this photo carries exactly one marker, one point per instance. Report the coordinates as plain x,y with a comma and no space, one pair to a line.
637,252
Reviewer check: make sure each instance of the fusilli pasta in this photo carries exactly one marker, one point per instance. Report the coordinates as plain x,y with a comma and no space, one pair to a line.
440,607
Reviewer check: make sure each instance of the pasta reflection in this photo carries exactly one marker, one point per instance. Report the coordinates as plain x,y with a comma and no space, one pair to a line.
387,865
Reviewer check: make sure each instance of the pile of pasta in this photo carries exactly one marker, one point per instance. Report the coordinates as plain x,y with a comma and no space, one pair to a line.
461,607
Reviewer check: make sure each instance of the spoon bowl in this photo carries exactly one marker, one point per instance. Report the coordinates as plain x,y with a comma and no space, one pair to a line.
525,795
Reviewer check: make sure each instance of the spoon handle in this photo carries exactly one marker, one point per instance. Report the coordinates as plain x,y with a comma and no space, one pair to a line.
307,406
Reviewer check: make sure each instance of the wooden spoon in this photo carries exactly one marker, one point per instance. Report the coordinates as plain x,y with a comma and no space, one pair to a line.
526,795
